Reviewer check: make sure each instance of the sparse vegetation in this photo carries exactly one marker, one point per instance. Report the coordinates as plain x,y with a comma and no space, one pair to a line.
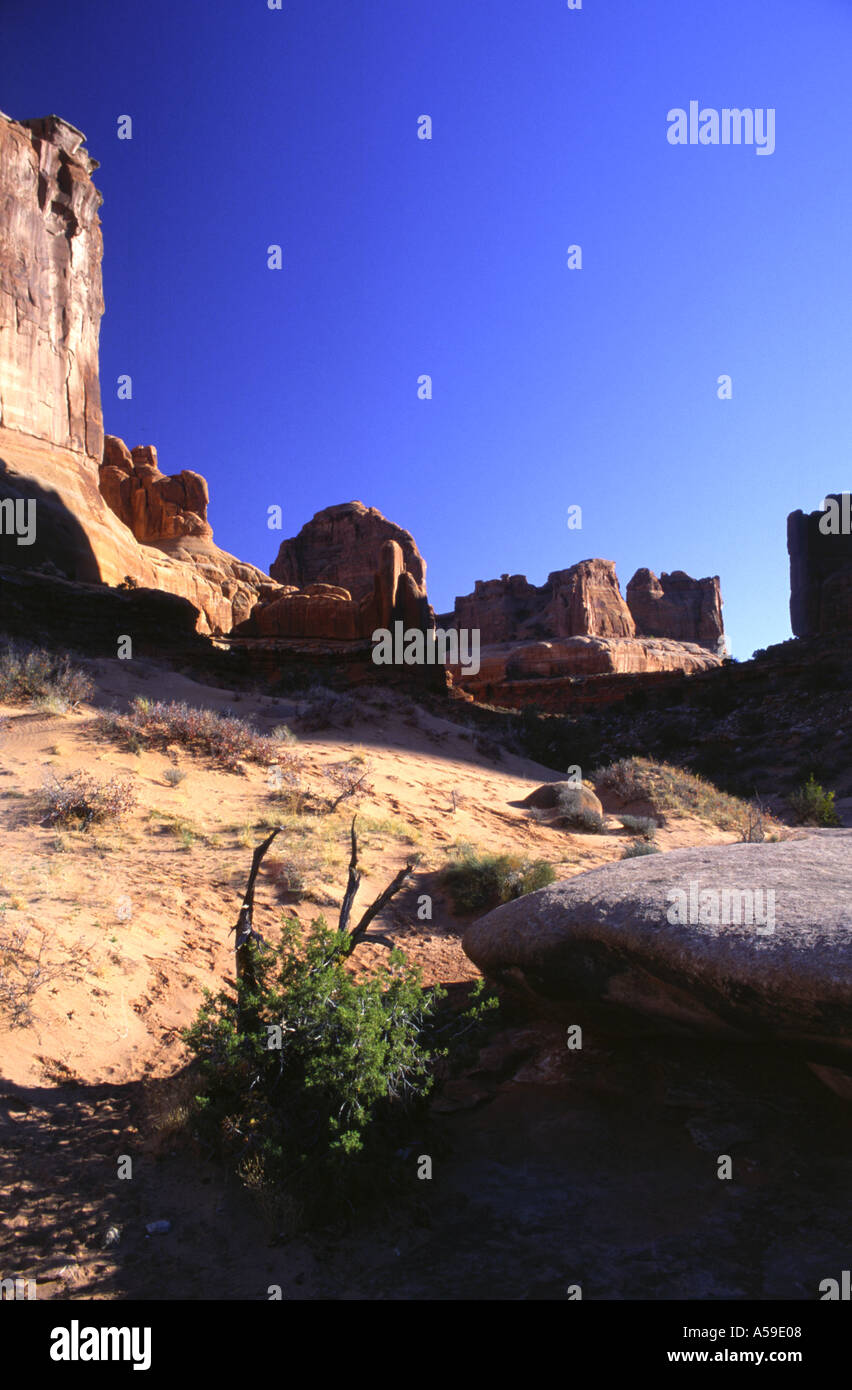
643,827
571,815
79,799
173,776
668,788
224,737
637,848
477,881
24,971
31,675
298,1103
811,804
327,709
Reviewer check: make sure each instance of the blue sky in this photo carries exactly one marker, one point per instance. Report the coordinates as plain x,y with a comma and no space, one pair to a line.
403,257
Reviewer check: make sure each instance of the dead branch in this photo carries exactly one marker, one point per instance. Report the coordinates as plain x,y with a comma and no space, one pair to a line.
246,936
353,883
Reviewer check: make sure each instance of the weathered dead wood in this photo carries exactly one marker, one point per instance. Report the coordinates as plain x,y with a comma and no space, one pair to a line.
246,936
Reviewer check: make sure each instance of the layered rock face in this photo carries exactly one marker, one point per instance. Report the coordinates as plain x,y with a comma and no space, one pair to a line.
342,546
150,529
332,612
51,298
154,506
578,624
585,601
677,607
820,549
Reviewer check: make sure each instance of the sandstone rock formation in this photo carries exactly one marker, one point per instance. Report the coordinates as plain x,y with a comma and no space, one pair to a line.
609,936
677,607
51,427
342,546
154,506
821,569
51,299
332,612
508,670
585,600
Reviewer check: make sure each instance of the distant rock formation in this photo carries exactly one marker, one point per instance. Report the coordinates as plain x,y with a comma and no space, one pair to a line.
821,568
677,607
578,624
585,601
155,507
332,612
342,546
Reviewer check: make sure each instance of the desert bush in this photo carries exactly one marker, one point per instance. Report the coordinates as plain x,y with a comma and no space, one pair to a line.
326,709
79,799
284,733
24,971
349,778
31,675
812,805
665,787
644,827
637,848
572,816
331,1061
173,776
477,881
155,724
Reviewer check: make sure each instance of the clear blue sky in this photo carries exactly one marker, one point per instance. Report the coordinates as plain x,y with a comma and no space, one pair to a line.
401,257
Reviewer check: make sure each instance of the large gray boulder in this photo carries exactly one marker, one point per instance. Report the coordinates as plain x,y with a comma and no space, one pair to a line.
745,939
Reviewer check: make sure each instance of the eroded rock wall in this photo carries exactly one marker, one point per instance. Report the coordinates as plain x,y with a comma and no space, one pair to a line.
820,549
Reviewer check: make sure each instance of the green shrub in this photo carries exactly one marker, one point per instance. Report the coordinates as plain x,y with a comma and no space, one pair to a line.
812,805
34,676
639,847
477,881
329,1062
645,827
572,817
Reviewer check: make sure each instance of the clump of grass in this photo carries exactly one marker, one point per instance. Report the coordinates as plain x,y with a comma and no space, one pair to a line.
292,871
31,675
669,788
644,827
811,804
637,848
79,799
173,776
326,709
224,737
477,881
284,734
570,815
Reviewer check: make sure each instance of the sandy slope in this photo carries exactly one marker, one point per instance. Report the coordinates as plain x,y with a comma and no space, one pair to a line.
137,919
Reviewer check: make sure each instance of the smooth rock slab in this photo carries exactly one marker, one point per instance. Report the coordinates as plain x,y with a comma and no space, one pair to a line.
606,937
